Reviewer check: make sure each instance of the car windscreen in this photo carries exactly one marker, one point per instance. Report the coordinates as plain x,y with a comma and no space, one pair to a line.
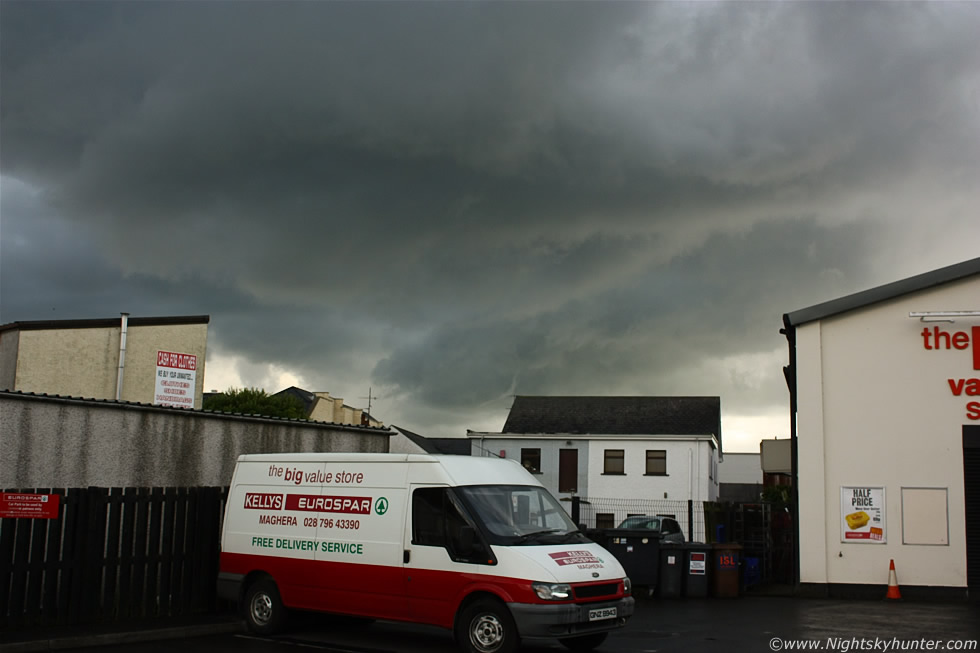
647,523
519,515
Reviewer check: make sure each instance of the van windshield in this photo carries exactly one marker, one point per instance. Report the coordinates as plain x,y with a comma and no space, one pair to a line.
520,515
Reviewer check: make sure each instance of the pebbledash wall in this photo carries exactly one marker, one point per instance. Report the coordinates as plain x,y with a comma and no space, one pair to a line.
53,441
887,409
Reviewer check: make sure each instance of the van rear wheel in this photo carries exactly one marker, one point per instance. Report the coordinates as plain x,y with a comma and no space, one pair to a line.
485,626
264,612
584,643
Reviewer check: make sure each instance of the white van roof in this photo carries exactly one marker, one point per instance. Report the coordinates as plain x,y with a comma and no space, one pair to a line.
461,470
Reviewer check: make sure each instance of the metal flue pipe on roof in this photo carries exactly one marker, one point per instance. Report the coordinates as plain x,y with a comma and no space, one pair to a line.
124,327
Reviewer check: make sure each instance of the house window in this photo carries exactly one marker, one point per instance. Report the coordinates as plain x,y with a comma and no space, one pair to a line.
614,462
531,460
656,462
605,520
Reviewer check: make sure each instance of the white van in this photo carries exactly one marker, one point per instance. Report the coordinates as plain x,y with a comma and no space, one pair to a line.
474,545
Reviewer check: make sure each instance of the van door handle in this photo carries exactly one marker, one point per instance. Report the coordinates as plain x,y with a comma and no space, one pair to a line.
406,556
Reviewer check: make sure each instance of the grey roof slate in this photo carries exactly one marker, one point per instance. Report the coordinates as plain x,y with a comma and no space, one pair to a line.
452,446
883,293
420,440
615,415
305,396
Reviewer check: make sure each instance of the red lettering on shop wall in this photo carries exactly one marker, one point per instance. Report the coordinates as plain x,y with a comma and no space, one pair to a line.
935,339
970,387
976,347
973,410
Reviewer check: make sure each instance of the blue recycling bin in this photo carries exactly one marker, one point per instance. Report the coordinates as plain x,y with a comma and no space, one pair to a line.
752,574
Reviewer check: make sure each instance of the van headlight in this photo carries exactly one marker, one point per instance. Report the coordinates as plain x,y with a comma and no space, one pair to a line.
552,591
627,586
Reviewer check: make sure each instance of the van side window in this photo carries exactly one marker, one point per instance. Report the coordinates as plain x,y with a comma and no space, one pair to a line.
439,520
427,517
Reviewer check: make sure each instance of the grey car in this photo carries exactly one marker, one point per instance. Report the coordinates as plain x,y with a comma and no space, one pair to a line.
669,529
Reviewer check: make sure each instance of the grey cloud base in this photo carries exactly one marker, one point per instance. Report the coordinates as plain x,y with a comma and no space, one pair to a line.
459,202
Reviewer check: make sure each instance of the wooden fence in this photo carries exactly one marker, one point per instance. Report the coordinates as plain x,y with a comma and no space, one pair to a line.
112,555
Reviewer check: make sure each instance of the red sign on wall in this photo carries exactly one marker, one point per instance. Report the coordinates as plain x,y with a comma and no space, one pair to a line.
30,506
937,339
176,379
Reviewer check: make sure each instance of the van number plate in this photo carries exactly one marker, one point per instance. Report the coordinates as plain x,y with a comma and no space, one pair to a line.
602,613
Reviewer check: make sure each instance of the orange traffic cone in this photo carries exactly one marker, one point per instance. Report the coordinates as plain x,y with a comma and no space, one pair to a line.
893,592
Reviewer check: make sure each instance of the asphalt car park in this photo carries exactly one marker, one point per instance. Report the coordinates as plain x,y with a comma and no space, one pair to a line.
752,623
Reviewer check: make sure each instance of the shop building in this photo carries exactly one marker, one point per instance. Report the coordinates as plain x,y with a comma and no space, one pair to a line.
885,398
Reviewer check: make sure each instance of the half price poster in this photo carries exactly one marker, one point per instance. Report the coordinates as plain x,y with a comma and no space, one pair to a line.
862,512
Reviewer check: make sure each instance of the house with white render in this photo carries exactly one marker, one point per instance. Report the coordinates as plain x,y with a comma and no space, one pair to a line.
613,447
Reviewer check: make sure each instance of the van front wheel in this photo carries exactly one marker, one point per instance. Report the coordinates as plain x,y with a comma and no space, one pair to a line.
264,611
485,626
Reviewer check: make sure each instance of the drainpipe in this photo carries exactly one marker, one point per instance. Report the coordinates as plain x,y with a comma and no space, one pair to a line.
690,474
789,372
122,354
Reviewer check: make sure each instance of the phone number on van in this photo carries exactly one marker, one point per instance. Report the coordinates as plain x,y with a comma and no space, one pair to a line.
310,522
320,522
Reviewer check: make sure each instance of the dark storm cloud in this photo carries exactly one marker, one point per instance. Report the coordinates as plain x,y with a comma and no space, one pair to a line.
643,337
477,199
52,269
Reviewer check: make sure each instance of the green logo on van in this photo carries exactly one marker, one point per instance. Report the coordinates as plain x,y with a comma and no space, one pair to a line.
381,506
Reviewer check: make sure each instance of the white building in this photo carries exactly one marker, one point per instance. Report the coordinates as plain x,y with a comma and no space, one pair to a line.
740,477
614,447
777,457
887,436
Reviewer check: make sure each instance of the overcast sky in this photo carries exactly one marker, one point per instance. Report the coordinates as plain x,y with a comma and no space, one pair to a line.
451,203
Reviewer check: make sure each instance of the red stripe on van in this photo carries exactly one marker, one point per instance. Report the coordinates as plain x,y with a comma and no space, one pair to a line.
426,596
